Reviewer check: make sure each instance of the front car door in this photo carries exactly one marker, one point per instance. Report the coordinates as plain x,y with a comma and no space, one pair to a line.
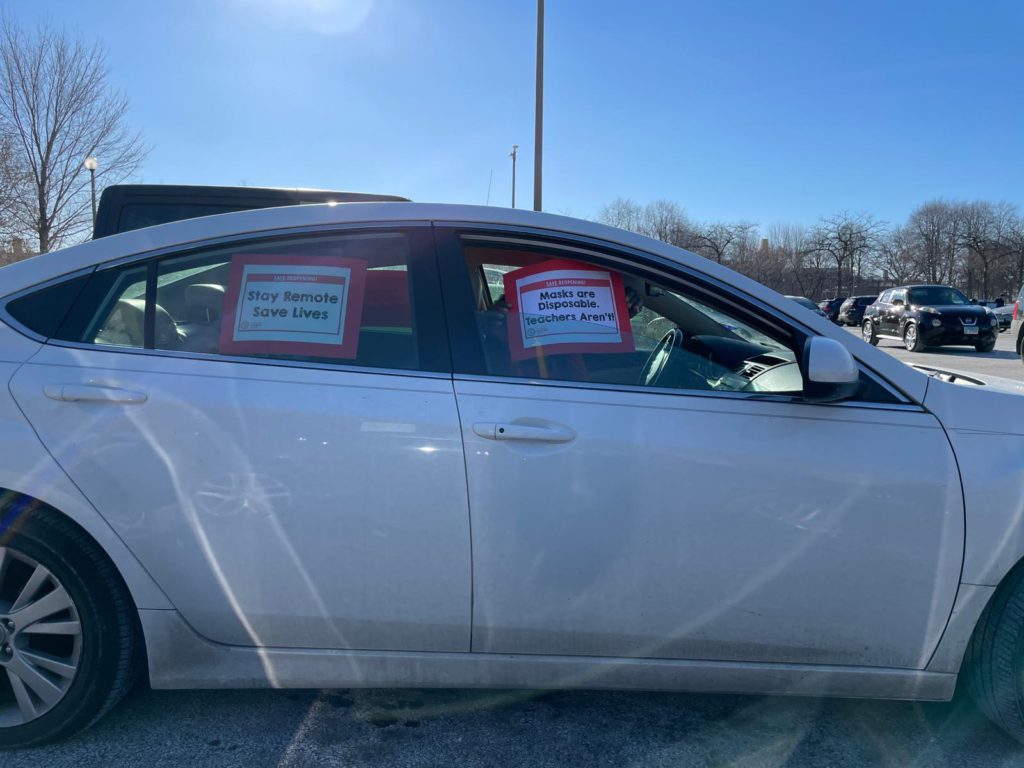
646,481
270,427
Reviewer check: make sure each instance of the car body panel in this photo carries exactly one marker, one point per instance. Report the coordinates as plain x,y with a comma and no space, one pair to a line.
643,537
179,658
986,430
26,468
308,508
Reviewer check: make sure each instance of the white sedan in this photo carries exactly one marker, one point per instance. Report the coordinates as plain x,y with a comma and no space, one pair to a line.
396,444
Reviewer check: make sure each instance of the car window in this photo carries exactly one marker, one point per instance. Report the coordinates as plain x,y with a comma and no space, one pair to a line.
339,299
541,315
936,295
885,298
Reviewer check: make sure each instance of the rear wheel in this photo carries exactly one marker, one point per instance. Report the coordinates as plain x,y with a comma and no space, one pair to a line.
868,333
67,637
912,339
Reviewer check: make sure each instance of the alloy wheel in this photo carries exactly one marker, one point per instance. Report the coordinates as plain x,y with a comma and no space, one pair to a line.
910,337
40,639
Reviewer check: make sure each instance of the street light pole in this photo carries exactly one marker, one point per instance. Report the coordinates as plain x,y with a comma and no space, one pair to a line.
538,129
91,164
512,154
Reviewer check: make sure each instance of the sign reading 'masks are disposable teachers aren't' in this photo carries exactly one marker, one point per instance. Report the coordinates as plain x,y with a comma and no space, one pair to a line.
562,306
292,305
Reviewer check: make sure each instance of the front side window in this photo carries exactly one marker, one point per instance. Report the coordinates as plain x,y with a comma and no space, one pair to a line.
344,299
543,315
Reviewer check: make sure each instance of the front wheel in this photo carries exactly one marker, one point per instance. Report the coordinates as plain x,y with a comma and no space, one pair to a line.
868,333
912,339
67,635
986,346
994,660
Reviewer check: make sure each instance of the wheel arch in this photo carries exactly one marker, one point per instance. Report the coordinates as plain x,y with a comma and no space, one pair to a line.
16,504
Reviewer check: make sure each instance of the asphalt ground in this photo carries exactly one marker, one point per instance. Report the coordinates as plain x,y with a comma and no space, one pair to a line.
450,729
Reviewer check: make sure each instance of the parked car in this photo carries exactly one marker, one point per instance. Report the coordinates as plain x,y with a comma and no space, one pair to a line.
831,307
923,316
323,446
852,311
803,301
1017,323
1004,314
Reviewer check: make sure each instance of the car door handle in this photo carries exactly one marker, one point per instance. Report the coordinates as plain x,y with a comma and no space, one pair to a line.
88,393
507,431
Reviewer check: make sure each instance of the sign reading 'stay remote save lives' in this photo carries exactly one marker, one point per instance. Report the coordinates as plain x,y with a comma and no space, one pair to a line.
291,305
562,306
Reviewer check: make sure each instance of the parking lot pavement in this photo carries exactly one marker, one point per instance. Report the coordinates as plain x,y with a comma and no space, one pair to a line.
486,728
483,728
1002,361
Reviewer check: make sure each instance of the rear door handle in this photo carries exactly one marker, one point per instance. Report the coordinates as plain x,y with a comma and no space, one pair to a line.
88,393
507,431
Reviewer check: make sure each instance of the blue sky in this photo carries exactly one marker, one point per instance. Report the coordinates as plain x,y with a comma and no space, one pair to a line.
767,111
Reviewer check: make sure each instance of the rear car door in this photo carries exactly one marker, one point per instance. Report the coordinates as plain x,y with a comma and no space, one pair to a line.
270,426
713,514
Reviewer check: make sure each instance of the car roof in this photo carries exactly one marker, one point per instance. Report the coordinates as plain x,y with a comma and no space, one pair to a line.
198,231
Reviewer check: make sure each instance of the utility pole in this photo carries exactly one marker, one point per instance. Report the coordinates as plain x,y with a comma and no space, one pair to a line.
512,154
538,131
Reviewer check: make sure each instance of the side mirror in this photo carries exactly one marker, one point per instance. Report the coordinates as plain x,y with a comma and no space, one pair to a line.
830,372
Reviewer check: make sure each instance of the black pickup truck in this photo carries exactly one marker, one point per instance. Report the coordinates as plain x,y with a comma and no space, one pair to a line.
123,207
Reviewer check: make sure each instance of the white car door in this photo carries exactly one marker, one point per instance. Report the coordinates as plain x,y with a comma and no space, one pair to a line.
694,509
292,476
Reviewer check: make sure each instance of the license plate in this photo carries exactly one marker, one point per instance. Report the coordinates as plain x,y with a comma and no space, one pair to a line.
970,330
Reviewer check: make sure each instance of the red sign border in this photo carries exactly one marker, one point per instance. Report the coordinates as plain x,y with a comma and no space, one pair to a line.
347,350
518,351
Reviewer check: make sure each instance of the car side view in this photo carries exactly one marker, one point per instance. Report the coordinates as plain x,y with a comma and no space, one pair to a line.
924,316
852,310
417,445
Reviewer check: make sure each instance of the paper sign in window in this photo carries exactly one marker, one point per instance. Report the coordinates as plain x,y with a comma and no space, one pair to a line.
560,307
293,305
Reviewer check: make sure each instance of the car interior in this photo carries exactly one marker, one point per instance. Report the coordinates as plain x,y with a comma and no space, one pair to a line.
677,341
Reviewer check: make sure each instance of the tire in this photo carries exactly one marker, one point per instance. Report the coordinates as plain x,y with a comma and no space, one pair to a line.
912,339
101,660
868,333
985,346
994,660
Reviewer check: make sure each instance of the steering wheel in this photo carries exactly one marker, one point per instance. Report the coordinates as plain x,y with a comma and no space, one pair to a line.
660,358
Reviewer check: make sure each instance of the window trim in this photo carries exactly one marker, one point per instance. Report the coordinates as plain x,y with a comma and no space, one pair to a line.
466,343
431,333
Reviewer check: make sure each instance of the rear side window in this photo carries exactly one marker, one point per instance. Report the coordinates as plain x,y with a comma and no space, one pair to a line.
866,301
353,299
44,310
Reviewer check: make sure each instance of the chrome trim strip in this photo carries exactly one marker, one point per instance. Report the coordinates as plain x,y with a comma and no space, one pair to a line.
270,362
637,389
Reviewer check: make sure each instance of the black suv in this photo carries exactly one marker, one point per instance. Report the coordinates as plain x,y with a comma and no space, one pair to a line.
929,315
852,311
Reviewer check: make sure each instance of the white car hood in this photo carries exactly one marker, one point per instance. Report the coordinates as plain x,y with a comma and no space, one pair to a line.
965,379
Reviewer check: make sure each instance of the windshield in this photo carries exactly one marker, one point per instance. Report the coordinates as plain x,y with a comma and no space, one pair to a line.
936,296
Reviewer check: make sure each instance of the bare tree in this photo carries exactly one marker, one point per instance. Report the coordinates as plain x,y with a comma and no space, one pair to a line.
895,257
847,239
717,239
57,105
988,234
